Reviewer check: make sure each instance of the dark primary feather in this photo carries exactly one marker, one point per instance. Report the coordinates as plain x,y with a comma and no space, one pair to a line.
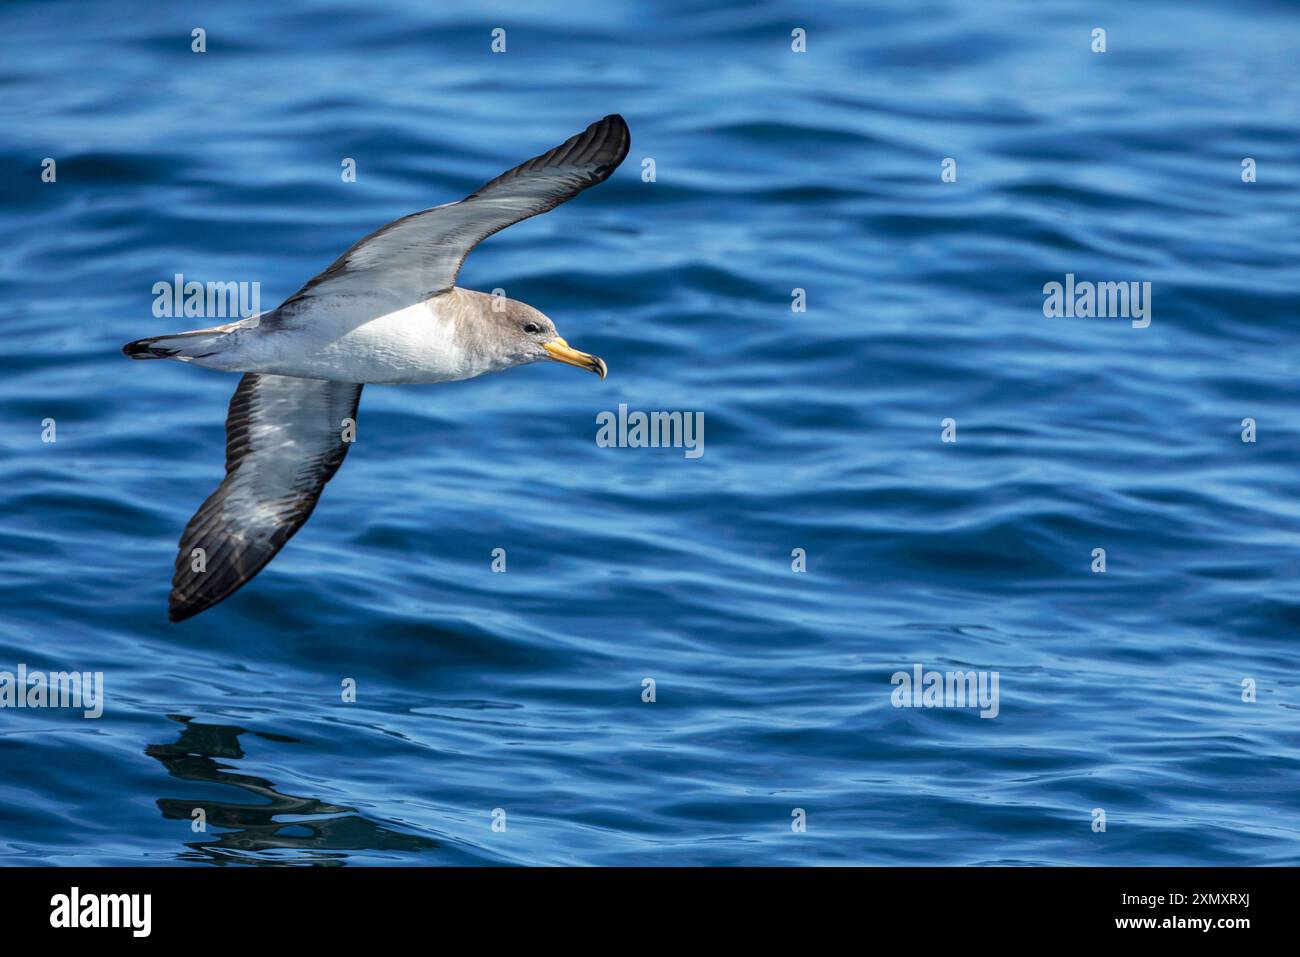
416,257
284,441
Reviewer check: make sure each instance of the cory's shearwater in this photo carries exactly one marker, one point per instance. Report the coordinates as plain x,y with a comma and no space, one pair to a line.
387,310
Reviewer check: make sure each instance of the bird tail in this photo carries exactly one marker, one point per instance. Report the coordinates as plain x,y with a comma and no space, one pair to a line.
195,344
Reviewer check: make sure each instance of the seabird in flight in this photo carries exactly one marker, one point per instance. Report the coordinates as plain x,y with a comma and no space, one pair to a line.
388,310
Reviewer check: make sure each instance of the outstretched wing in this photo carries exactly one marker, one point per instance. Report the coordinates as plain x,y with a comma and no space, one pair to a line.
284,441
417,256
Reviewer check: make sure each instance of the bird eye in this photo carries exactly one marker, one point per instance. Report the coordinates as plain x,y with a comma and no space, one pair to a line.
532,328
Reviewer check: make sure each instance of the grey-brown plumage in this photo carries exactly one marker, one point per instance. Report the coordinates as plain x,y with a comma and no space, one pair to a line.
387,310
284,441
426,249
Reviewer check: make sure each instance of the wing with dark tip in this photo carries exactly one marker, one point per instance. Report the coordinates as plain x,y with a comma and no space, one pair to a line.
284,441
417,256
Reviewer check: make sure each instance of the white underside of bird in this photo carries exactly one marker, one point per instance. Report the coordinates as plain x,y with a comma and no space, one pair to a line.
355,340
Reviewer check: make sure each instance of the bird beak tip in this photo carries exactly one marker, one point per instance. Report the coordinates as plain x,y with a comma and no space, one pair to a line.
561,351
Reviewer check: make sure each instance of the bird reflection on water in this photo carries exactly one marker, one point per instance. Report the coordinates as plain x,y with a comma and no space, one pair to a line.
256,836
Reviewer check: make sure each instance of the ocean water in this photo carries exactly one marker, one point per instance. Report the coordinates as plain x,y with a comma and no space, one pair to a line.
516,698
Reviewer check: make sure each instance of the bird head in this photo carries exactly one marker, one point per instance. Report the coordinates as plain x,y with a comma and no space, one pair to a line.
533,337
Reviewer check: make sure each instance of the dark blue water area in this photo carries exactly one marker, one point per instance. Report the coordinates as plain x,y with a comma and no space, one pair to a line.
517,697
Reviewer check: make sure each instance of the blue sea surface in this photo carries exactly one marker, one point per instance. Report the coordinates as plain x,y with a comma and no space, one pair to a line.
499,718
